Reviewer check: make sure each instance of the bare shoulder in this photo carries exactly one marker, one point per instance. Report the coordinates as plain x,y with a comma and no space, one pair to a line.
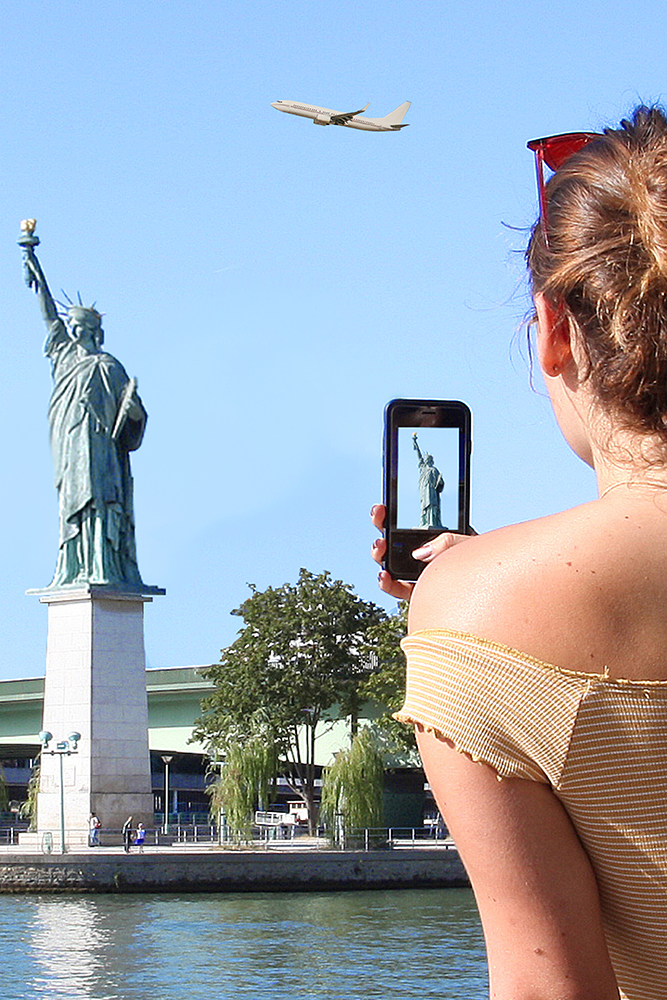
549,587
490,576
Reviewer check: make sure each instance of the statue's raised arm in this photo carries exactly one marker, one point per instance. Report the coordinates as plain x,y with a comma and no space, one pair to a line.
34,276
417,448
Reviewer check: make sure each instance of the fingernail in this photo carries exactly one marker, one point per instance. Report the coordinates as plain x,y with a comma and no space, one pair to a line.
423,552
373,509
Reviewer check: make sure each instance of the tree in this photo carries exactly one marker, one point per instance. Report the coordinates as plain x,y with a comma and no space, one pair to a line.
352,788
386,685
4,794
300,658
246,779
28,809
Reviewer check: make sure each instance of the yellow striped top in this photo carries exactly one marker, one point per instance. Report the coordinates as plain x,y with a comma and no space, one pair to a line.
601,743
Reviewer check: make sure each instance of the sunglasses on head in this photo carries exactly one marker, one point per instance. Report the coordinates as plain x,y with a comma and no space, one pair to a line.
555,150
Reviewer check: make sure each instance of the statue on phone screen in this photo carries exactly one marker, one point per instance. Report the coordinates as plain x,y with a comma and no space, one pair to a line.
96,419
431,485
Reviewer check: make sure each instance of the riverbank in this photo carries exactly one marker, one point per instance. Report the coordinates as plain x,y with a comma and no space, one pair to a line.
213,869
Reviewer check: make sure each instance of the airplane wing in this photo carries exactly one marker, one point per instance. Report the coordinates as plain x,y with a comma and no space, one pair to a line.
345,116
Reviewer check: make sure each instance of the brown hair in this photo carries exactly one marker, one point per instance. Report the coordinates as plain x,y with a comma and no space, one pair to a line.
606,263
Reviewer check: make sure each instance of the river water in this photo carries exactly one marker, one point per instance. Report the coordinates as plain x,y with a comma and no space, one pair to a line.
423,943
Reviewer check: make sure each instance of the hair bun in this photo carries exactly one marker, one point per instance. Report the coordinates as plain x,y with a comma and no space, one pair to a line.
606,263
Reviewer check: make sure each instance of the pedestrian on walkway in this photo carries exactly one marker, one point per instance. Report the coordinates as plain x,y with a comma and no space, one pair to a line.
94,826
140,838
127,834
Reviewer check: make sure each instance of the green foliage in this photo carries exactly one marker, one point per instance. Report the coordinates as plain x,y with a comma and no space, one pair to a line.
4,796
300,650
246,779
28,808
386,685
301,653
352,788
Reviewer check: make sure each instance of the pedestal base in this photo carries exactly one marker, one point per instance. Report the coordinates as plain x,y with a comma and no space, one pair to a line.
95,685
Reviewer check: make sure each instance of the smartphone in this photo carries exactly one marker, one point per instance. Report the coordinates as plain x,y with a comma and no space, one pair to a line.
427,446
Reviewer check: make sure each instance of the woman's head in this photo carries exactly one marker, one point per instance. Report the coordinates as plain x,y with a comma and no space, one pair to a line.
605,265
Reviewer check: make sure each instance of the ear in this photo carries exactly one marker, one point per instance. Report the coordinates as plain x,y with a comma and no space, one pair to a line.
554,348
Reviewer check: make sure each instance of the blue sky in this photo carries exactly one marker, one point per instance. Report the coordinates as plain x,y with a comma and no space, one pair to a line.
271,283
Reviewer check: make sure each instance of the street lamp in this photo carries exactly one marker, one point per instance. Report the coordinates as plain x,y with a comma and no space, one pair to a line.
62,748
166,760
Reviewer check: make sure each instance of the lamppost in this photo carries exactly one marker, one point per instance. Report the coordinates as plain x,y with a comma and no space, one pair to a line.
166,760
62,748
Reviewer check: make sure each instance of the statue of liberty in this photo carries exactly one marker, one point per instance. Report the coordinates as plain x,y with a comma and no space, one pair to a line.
96,419
431,485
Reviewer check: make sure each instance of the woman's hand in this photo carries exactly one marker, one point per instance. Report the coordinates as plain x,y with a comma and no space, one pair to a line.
400,589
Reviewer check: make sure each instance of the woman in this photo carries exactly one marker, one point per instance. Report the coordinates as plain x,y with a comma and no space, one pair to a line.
537,654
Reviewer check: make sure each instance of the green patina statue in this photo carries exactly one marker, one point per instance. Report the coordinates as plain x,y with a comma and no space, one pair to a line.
431,485
96,418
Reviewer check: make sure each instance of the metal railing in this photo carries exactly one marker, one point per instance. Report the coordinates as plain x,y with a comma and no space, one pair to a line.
388,838
208,835
192,834
175,819
9,835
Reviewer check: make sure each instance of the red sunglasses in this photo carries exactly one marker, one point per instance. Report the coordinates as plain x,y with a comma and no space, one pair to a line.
555,150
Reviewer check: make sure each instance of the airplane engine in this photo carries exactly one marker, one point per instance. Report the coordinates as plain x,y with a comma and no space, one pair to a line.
322,120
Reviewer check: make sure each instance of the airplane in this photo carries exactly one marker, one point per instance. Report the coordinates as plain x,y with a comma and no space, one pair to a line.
327,116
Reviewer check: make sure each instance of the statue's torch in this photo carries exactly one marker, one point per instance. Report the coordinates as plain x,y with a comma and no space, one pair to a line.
28,241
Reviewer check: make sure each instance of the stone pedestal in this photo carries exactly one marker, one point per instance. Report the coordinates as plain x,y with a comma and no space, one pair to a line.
96,685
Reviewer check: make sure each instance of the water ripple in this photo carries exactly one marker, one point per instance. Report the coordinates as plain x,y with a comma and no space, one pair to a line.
293,946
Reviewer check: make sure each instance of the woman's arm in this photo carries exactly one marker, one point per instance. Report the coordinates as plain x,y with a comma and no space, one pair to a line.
531,587
533,882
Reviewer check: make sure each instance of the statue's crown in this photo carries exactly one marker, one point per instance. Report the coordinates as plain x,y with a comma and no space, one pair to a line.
77,312
83,313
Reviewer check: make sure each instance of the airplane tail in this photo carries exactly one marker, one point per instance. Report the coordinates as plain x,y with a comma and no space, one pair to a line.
394,118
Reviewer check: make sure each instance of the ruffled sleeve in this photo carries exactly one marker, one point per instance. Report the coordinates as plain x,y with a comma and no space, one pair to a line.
495,704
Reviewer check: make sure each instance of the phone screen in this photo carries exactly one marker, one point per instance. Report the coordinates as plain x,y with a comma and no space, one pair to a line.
426,476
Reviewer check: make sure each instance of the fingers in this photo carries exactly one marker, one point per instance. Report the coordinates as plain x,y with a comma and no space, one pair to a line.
378,550
379,546
396,588
378,513
441,543
399,589
425,553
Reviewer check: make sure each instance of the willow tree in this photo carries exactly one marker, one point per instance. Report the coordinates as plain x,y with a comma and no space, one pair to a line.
28,809
4,793
246,780
352,788
300,658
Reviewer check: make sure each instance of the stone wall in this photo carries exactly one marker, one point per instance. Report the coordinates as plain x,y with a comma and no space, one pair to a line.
232,871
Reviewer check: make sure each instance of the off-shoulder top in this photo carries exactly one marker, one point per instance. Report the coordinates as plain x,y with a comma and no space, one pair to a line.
601,743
